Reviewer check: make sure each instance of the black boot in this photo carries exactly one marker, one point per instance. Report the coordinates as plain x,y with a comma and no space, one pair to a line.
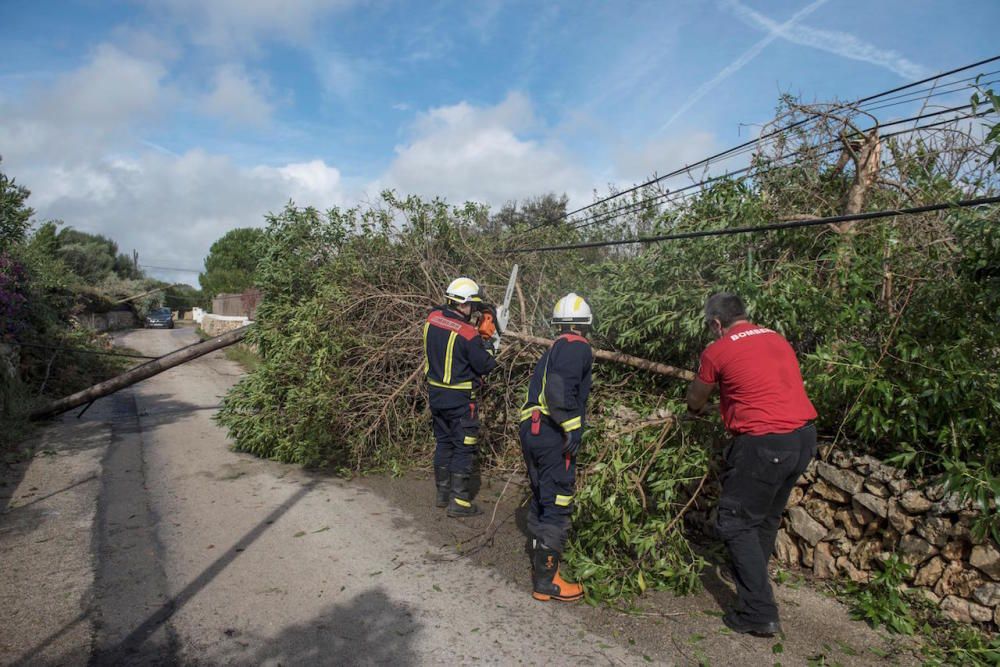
737,623
442,478
461,498
547,584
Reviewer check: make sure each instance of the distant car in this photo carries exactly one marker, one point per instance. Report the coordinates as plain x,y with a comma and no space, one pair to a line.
160,318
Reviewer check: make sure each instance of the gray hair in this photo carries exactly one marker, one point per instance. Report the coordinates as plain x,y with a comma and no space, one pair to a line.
725,307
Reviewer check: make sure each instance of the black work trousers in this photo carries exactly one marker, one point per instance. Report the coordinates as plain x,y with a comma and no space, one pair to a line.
552,476
759,472
456,435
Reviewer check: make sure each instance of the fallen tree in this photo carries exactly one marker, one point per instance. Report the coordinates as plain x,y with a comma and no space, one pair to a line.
341,353
138,374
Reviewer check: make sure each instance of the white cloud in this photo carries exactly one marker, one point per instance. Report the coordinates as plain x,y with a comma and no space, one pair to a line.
173,208
236,96
464,152
78,145
87,111
240,25
838,43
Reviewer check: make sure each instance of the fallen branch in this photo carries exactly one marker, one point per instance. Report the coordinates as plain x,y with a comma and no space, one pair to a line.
617,357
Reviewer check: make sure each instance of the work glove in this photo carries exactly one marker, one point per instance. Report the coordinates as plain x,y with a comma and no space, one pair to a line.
572,442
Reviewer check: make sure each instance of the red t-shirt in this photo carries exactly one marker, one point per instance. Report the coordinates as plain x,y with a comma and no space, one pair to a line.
759,381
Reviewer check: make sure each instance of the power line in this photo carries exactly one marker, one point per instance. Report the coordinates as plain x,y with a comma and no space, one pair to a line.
169,268
793,224
729,152
674,195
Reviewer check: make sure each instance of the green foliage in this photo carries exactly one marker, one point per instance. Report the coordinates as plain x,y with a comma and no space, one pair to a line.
231,262
91,257
36,306
993,136
627,536
882,601
894,323
15,215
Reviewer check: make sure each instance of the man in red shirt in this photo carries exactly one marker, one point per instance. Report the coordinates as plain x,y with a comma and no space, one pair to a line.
764,406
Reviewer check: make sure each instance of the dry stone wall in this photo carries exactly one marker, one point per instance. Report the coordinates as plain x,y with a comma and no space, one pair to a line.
848,512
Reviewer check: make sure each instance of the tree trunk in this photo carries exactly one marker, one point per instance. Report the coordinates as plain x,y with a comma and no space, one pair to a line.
617,357
139,373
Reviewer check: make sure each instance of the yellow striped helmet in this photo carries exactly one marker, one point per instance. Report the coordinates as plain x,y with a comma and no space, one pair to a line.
572,309
463,290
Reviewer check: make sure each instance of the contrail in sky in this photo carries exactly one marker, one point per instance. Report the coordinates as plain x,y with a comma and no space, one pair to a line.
740,62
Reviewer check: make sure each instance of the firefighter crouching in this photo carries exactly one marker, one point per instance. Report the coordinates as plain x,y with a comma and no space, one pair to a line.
552,421
456,359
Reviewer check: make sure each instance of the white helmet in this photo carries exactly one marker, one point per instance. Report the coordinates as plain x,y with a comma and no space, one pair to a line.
572,309
463,290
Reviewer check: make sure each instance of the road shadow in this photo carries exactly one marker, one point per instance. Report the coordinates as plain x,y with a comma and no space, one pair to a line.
369,629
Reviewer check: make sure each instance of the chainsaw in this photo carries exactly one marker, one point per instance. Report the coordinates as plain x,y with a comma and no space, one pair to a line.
490,327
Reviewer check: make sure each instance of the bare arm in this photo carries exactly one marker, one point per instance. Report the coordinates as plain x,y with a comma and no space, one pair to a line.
698,394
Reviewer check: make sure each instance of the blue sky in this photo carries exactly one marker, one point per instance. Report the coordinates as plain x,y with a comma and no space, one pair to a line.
165,123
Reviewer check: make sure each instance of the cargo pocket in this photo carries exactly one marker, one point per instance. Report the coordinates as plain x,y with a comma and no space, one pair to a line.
470,426
730,519
773,466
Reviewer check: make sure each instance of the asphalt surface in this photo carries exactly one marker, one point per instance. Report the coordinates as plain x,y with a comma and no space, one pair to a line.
136,537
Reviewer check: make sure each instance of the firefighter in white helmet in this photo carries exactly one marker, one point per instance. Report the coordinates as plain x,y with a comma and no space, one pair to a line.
552,422
455,361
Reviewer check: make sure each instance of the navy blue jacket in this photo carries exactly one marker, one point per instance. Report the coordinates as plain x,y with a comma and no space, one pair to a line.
560,385
455,358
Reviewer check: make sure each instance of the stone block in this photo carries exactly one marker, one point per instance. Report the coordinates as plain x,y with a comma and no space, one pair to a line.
899,486
959,580
986,558
899,519
988,594
795,497
824,564
845,480
956,550
807,555
872,503
876,488
935,529
805,526
979,613
929,574
830,492
785,548
845,565
864,552
956,609
916,550
915,502
846,519
820,510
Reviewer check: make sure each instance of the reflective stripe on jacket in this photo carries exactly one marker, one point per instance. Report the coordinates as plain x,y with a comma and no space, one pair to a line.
560,384
455,356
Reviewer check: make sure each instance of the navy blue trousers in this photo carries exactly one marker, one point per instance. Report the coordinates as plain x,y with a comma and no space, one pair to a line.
552,475
456,434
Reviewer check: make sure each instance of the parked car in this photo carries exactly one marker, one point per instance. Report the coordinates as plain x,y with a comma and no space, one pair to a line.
160,318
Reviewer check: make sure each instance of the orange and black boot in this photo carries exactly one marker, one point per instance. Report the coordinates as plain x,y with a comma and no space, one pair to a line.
442,478
548,585
461,504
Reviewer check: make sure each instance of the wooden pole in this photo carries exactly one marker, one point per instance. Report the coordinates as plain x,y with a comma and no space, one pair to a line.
139,373
152,291
617,357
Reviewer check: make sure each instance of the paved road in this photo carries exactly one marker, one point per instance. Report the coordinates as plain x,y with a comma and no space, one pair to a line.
137,537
